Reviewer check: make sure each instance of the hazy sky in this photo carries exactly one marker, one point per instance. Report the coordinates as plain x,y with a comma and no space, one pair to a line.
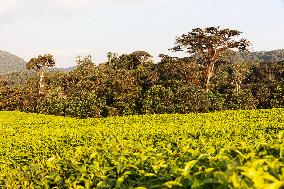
67,28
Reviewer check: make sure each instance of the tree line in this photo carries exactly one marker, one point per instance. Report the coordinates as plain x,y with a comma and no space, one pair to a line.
211,77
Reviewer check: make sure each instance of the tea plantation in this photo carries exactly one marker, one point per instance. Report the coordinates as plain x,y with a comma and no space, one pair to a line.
229,149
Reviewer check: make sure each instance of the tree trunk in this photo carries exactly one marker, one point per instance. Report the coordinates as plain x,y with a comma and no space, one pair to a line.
41,90
238,85
210,68
41,84
208,75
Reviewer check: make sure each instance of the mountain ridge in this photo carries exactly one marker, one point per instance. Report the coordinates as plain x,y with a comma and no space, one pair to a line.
10,63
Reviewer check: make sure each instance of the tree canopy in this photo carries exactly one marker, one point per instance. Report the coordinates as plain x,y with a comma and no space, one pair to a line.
208,45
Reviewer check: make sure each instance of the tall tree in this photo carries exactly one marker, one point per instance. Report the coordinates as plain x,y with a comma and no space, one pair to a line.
41,64
208,45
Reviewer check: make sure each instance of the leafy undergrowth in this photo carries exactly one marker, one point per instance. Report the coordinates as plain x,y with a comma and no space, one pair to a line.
230,149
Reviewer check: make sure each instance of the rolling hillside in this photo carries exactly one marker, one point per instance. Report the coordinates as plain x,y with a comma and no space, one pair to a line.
259,56
11,63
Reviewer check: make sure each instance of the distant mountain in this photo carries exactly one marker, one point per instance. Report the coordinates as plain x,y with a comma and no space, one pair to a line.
11,63
259,56
268,56
62,69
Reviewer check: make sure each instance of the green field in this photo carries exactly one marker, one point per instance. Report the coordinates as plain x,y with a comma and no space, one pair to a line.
230,149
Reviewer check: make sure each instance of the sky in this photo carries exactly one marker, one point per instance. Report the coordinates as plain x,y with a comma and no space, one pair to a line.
69,28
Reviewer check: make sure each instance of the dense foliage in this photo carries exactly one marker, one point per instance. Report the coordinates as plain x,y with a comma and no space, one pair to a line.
212,77
133,84
229,149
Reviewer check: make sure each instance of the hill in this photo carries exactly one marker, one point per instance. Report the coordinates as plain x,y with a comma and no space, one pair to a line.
11,63
267,56
229,149
258,56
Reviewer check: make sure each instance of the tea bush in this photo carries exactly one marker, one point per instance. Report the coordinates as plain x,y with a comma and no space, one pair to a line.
228,149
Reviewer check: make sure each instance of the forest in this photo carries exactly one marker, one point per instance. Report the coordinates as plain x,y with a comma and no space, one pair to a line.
217,73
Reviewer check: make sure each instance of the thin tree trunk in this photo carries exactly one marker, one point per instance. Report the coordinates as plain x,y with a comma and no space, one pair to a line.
41,90
41,84
210,69
238,85
209,74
